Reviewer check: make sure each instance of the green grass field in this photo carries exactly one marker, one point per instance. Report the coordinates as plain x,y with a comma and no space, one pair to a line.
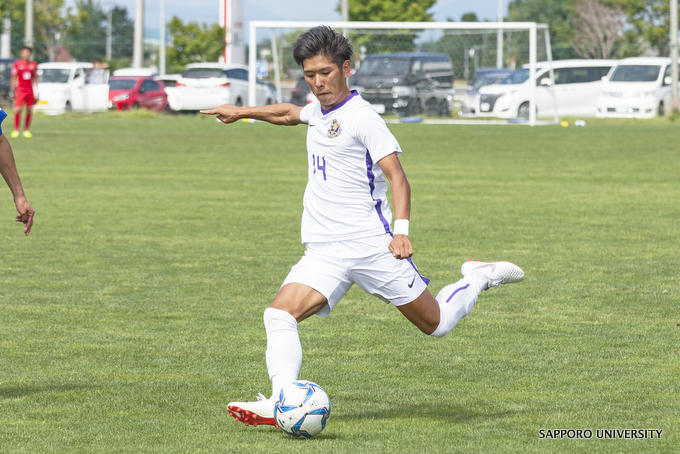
133,312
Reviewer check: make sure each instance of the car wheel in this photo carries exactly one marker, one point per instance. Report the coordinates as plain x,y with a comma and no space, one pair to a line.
239,102
414,107
269,101
444,108
68,107
135,105
661,110
523,110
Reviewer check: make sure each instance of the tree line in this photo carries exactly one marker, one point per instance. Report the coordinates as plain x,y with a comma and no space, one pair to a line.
80,33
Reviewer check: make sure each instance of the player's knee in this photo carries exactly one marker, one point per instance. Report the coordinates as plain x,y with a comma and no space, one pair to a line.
443,327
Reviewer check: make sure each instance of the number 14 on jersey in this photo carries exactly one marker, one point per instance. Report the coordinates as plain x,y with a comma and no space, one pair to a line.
319,164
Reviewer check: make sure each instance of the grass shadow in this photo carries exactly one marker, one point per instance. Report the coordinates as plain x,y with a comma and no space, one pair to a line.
434,411
13,392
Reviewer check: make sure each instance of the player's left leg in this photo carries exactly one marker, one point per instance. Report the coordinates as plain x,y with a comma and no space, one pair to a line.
27,121
438,316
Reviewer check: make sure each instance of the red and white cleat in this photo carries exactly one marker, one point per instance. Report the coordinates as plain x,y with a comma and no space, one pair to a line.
258,413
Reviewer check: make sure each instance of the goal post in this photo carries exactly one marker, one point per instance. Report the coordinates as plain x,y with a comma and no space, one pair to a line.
471,45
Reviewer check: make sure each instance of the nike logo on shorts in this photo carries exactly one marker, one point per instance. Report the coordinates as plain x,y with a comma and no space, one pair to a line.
412,282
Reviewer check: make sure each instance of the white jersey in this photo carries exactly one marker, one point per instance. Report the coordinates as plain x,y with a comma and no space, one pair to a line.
346,191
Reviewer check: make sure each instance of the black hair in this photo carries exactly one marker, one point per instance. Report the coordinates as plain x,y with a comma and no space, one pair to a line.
28,48
322,40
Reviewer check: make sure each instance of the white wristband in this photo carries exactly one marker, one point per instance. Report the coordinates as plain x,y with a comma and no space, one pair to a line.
401,227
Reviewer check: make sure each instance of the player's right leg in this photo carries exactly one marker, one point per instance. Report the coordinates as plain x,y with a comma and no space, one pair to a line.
293,303
313,286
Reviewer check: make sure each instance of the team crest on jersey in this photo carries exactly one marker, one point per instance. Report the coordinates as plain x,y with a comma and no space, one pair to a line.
334,130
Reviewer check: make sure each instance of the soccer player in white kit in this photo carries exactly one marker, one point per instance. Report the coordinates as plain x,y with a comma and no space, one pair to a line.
346,221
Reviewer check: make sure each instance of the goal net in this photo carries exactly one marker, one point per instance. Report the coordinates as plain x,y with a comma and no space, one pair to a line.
429,71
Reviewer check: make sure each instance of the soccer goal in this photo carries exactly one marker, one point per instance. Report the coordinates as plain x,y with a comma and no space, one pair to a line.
422,71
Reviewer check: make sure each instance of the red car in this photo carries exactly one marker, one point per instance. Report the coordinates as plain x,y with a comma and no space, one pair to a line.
127,92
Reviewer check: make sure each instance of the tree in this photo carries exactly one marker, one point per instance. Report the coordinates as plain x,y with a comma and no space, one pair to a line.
86,34
649,22
597,29
193,43
122,33
49,26
388,10
558,15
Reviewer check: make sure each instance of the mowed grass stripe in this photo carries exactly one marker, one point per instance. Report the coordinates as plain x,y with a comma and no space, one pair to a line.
133,312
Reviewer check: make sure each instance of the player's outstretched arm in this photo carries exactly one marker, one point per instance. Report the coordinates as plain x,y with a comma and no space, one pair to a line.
278,114
400,246
9,172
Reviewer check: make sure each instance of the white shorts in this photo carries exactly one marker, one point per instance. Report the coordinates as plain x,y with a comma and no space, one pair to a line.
331,269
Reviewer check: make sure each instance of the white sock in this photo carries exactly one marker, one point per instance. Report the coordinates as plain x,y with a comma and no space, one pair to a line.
456,301
284,351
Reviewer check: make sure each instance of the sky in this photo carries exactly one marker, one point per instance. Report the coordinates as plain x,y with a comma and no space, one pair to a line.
207,11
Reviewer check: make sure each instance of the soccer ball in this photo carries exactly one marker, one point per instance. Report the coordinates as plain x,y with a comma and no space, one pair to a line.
303,409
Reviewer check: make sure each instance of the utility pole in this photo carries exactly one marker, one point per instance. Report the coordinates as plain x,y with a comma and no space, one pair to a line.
109,32
499,37
28,29
138,50
344,9
674,55
6,37
161,51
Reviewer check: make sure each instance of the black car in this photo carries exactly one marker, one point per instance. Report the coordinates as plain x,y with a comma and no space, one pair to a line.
5,75
298,95
407,83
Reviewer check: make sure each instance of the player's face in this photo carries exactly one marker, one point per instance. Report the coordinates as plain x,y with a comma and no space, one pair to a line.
25,54
326,80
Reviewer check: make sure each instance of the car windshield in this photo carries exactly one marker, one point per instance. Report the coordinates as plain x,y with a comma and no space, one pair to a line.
384,66
53,75
202,73
518,77
635,73
122,84
487,79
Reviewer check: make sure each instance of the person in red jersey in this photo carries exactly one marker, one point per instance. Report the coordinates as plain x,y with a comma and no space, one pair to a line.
24,75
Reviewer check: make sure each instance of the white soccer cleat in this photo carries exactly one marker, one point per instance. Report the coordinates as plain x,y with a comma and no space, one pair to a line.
260,412
496,273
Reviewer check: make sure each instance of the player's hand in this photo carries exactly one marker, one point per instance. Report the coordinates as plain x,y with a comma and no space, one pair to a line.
26,213
400,247
226,113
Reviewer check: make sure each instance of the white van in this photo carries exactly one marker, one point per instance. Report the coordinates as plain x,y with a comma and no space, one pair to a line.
573,92
72,86
637,87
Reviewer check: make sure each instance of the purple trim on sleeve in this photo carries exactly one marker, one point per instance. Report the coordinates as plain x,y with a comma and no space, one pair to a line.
352,94
456,291
378,203
371,185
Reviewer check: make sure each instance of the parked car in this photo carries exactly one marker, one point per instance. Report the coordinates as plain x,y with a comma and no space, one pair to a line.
206,85
636,88
407,83
136,72
299,93
573,91
72,86
5,75
481,78
169,80
127,92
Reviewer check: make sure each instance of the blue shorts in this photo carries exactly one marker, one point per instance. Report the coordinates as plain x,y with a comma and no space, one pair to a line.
3,115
